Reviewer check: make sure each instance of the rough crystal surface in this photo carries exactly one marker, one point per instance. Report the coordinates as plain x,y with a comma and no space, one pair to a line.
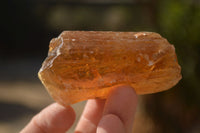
87,64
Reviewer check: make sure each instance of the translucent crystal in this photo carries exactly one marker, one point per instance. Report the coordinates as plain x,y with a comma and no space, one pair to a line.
86,64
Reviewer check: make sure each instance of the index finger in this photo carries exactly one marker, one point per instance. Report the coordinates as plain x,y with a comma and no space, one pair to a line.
120,106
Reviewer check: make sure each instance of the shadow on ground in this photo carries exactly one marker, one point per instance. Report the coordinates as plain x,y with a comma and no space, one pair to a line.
12,111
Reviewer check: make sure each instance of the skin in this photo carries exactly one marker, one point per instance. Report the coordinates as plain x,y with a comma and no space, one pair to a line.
113,115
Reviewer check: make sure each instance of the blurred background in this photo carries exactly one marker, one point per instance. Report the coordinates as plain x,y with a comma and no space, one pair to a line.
27,26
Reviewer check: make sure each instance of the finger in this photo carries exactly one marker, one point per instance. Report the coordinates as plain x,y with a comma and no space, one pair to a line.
53,119
122,103
110,124
90,116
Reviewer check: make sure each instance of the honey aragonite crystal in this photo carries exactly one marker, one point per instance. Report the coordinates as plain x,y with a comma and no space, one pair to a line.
86,64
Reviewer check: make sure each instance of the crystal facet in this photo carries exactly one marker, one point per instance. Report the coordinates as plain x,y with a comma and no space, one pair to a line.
86,64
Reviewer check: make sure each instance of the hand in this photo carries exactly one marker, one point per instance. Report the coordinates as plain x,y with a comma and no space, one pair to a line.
114,115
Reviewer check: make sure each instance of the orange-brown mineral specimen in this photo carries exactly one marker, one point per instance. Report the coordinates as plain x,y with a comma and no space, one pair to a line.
86,64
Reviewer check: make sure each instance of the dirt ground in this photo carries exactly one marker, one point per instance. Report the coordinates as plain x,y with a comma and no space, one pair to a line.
20,101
